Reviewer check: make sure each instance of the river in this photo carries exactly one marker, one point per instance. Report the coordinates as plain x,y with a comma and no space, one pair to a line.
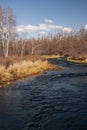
54,100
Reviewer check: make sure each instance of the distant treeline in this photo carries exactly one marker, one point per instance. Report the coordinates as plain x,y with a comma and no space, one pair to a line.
73,44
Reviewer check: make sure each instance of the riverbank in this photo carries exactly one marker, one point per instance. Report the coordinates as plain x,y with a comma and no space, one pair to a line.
14,68
23,69
70,59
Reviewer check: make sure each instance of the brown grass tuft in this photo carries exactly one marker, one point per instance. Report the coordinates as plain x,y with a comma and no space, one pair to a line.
23,69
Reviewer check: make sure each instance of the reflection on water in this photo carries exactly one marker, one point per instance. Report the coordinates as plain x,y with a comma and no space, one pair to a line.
51,101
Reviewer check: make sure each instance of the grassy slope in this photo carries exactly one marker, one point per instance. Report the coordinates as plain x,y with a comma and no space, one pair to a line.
21,69
13,68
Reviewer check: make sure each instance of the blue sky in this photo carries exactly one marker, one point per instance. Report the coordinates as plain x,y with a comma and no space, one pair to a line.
45,15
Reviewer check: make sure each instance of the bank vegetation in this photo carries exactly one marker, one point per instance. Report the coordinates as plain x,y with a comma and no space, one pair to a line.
21,56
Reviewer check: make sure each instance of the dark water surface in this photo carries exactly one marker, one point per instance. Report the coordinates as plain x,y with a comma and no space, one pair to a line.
55,100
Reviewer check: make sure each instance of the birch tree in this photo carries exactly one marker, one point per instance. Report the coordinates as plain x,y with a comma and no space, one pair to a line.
7,27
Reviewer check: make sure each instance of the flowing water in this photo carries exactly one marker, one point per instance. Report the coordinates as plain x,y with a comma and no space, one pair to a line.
54,100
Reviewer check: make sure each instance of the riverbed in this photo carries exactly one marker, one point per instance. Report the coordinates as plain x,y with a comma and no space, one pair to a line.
54,100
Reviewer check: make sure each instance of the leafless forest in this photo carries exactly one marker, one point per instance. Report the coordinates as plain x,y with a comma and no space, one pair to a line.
72,44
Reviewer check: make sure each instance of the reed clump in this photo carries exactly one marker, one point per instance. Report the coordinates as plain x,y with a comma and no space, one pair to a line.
23,69
77,60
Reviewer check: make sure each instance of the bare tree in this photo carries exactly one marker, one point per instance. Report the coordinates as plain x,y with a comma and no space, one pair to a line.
35,44
1,19
23,40
7,26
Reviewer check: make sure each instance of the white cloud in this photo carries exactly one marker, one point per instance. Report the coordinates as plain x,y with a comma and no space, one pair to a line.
42,32
49,21
55,27
31,28
43,27
26,28
67,29
85,27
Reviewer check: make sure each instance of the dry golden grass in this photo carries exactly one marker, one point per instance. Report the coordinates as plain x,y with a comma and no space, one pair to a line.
51,56
23,69
4,74
77,60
